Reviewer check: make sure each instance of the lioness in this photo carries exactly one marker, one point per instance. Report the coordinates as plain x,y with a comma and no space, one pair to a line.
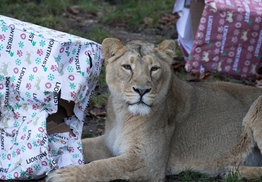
159,125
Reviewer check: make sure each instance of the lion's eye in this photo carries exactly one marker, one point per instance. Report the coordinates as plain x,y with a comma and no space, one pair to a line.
154,68
127,67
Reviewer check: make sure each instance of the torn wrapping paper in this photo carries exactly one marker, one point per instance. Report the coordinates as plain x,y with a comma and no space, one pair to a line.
38,67
227,39
184,30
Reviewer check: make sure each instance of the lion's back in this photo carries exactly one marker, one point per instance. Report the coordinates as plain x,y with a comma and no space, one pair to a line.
213,128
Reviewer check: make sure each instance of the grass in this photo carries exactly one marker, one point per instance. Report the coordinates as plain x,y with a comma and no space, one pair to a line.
100,100
52,13
44,14
233,177
132,13
96,33
189,176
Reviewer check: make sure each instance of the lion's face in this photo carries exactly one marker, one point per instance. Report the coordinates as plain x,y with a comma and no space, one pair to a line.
137,73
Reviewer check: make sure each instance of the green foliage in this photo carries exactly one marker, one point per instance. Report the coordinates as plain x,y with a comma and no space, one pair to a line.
99,101
47,13
233,177
102,79
52,13
189,176
56,7
132,13
92,6
51,21
31,9
258,180
179,54
98,34
87,135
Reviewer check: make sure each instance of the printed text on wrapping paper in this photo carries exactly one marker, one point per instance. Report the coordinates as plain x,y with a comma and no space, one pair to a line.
31,37
247,15
2,140
209,29
10,40
77,60
238,54
7,82
257,50
4,170
48,52
20,79
56,90
35,158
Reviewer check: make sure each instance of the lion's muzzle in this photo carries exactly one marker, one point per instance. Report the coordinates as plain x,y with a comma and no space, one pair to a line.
142,91
142,104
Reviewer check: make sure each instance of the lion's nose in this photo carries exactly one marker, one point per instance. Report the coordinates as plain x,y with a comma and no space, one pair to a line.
141,91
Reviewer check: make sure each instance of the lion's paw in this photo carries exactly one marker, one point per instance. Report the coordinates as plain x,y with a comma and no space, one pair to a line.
67,174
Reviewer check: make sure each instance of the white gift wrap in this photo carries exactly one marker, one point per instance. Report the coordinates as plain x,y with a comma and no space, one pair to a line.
36,63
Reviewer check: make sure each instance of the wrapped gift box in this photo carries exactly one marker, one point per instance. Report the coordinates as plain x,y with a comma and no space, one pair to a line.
228,38
43,73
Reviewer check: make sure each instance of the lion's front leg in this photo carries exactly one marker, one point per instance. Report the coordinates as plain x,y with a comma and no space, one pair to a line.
95,149
247,172
121,167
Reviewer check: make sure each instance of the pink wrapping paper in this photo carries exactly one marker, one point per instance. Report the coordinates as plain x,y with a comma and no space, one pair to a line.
228,39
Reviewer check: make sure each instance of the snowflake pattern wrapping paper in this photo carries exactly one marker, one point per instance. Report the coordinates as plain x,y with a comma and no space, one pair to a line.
36,65
228,39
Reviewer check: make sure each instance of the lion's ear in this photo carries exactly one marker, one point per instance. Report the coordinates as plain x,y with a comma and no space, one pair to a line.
168,47
110,46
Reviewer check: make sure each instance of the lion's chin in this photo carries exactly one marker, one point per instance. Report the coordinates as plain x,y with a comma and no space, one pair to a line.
139,109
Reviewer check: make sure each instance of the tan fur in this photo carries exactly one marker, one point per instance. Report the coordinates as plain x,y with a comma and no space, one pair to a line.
180,125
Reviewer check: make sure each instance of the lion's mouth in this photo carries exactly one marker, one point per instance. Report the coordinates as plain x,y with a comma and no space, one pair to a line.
139,108
138,103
